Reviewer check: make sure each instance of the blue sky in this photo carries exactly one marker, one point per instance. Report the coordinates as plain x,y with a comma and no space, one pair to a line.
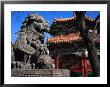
17,17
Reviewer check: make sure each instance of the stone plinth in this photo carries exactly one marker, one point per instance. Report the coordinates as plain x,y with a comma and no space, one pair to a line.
40,73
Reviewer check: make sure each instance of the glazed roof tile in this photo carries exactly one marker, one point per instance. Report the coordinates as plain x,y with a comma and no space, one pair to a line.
69,38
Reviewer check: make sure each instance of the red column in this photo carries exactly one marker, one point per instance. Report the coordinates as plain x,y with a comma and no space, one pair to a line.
85,68
82,63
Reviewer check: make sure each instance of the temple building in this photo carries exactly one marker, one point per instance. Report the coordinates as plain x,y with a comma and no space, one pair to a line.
67,47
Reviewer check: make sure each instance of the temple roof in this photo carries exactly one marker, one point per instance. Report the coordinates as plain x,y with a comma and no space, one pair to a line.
66,25
65,30
71,19
69,38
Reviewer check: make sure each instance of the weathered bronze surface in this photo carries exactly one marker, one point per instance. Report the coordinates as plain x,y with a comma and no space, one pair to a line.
29,50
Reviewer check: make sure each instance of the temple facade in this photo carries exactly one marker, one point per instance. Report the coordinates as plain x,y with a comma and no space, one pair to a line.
67,47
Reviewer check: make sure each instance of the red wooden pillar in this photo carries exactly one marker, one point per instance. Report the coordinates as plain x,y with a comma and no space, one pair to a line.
85,68
82,67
